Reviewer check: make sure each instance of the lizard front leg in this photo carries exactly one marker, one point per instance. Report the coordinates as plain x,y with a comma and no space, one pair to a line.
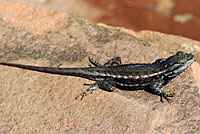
155,88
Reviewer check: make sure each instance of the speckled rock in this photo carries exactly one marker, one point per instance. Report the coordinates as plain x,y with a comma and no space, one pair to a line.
34,102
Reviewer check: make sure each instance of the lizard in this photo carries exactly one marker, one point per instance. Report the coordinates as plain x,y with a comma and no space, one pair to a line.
150,77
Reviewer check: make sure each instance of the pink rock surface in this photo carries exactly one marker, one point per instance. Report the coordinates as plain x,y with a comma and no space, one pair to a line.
33,102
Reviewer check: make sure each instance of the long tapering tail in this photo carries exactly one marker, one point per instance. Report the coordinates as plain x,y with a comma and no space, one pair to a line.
80,72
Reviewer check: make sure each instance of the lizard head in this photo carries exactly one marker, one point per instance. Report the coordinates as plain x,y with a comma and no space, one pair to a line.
178,63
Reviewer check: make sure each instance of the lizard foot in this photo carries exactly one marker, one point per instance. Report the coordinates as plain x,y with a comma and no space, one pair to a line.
88,91
165,96
94,63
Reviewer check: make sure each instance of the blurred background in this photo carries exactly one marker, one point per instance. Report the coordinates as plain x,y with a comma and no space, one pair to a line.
179,17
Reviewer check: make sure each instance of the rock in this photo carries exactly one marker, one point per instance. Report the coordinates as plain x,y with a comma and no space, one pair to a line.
34,102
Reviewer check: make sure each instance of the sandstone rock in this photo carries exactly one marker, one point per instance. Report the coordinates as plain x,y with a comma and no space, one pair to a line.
33,102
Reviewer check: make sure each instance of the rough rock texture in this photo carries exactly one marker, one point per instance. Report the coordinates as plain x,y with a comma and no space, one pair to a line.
33,102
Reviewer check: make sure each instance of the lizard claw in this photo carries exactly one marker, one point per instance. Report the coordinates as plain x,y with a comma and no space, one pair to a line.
94,63
170,94
166,95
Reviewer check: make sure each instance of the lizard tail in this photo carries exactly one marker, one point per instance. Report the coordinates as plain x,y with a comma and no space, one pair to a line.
80,72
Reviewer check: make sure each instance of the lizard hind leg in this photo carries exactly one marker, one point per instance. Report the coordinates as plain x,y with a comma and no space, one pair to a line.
106,85
92,88
112,62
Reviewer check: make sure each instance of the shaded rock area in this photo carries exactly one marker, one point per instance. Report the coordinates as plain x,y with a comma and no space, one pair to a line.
34,102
